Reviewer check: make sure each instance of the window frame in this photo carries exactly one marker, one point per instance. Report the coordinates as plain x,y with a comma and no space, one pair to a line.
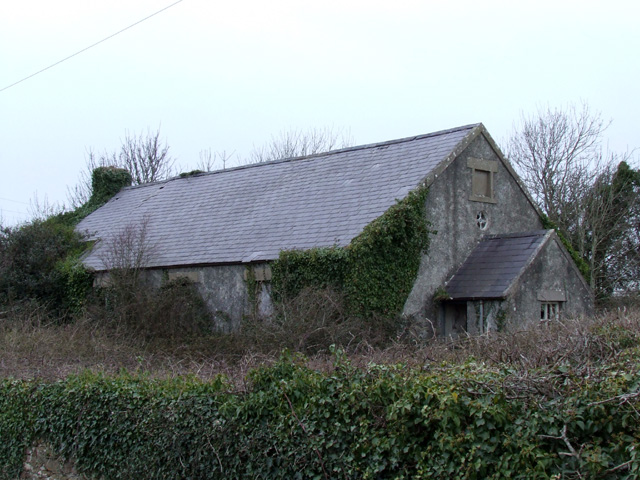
549,311
486,166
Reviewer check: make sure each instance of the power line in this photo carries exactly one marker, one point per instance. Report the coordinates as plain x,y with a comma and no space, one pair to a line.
14,201
13,211
90,46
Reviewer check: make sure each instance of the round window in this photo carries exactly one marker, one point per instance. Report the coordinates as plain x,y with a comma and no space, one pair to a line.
482,220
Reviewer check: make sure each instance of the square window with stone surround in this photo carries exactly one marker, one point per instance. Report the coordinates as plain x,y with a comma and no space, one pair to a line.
482,179
549,311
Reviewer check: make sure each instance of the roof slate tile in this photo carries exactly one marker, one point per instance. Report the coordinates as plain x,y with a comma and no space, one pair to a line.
494,265
258,210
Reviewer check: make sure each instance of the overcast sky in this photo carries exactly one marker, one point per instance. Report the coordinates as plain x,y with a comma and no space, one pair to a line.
229,75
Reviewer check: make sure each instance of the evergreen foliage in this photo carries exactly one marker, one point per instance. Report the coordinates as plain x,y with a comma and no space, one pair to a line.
616,246
318,268
383,260
38,261
105,183
467,421
375,272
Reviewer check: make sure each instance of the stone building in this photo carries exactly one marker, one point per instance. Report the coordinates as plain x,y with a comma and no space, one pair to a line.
489,266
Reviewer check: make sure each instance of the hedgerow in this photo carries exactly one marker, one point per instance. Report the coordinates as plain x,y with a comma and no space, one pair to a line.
447,421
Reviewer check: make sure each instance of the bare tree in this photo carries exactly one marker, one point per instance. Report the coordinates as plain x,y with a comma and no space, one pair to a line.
145,157
296,143
125,255
41,209
588,194
210,161
554,151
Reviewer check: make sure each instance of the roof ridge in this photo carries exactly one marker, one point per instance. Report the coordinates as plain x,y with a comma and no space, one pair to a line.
366,145
470,126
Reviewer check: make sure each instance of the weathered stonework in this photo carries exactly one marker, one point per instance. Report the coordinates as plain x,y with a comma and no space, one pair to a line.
552,271
42,462
215,228
454,218
223,288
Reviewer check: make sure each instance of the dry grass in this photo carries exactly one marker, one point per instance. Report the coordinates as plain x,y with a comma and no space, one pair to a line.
579,342
33,345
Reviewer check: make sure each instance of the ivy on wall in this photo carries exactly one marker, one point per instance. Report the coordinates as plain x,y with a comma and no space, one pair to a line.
105,183
383,260
375,272
318,268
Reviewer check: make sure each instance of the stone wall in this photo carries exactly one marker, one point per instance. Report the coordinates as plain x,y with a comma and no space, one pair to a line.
553,270
223,288
41,462
454,213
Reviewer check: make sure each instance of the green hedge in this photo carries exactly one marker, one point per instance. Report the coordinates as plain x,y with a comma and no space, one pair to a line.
466,422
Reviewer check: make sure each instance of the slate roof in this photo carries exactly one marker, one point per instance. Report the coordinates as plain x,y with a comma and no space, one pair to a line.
495,264
250,213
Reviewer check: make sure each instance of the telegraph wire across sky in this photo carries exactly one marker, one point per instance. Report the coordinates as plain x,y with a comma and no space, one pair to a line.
89,47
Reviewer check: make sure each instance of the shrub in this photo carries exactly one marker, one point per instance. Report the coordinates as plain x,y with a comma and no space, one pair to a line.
175,311
312,322
38,262
178,311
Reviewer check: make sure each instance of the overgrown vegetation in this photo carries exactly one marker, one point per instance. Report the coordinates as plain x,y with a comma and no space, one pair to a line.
486,407
591,195
174,311
375,272
560,399
582,265
39,261
106,181
312,322
369,400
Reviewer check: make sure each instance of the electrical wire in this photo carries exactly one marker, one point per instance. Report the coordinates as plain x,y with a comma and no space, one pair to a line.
90,46
13,211
14,201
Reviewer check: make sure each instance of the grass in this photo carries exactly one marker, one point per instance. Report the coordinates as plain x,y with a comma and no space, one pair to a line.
34,345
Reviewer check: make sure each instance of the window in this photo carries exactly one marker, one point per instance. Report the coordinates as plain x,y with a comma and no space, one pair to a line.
481,183
481,220
482,179
549,311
